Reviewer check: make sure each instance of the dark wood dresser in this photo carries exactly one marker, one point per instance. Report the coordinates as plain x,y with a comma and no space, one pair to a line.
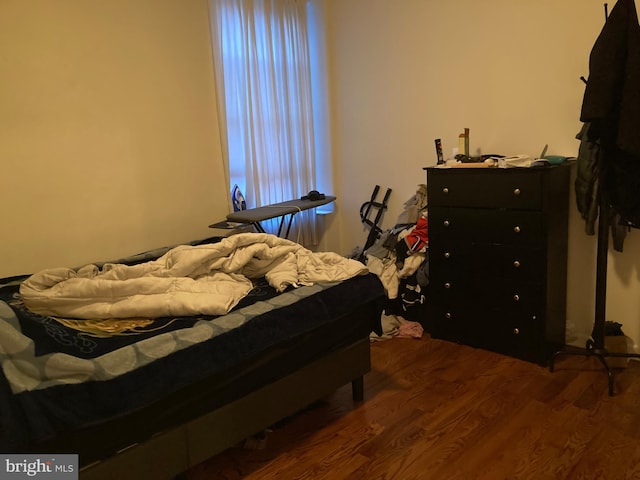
498,258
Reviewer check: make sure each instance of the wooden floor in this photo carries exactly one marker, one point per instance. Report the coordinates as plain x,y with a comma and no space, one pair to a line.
436,410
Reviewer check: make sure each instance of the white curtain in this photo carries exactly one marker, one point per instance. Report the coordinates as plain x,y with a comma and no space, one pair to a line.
263,80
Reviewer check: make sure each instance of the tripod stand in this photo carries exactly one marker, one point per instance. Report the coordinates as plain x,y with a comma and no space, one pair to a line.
595,346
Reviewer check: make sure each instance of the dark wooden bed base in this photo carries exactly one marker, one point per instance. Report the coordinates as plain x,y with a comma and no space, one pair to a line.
172,452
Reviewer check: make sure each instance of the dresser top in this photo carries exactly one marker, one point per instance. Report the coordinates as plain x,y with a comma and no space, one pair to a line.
480,169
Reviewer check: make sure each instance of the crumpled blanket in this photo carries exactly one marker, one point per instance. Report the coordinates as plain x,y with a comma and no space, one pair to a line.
188,280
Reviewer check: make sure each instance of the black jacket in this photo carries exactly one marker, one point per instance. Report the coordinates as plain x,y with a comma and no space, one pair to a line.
611,104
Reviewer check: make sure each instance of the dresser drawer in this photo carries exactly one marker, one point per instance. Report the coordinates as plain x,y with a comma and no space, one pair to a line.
507,227
488,292
515,263
519,335
504,189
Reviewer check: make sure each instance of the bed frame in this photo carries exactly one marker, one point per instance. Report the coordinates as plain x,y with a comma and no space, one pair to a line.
170,453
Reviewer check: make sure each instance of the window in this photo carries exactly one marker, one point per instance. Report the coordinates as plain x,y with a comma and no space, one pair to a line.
264,83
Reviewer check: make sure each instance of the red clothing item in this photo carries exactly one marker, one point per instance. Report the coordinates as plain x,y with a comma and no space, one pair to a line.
418,238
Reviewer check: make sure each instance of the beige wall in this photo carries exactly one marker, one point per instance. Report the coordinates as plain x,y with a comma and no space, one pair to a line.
404,72
108,130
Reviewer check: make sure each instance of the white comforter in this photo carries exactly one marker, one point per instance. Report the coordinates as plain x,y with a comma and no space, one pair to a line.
187,280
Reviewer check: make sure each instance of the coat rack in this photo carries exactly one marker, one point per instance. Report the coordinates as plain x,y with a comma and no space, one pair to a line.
595,346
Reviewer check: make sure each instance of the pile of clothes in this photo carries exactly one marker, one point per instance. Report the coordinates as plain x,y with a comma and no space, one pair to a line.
399,258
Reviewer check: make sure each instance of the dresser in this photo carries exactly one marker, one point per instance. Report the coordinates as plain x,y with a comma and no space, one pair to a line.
498,258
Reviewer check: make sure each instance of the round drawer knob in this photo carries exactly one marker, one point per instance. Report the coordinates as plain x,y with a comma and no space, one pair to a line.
445,190
517,229
516,297
447,255
446,223
516,263
447,316
516,331
447,285
516,192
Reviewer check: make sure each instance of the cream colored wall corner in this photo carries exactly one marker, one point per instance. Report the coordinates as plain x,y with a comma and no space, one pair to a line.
403,73
108,130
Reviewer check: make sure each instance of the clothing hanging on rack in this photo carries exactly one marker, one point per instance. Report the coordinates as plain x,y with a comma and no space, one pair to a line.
611,111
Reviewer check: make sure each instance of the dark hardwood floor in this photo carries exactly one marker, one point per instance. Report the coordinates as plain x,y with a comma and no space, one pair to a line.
437,410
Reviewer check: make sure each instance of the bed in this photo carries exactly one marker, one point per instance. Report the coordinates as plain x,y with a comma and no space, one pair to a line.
149,397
